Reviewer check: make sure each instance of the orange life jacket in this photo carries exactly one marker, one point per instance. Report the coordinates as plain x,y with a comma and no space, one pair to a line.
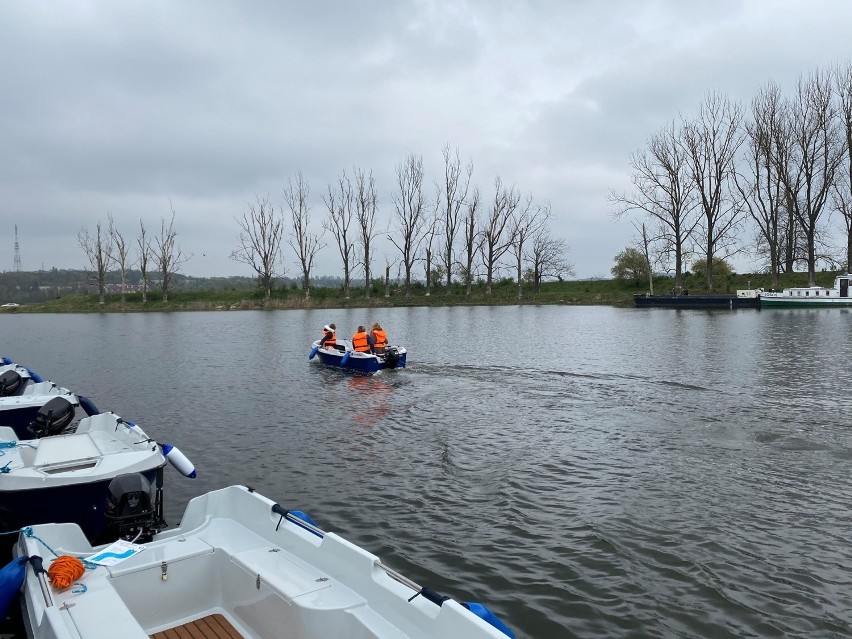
330,339
381,340
360,343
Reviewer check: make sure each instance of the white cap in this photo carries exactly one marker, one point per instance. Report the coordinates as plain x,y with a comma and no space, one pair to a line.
327,328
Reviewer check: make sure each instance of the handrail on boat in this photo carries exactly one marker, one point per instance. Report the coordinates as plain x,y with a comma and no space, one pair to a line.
424,591
302,520
41,574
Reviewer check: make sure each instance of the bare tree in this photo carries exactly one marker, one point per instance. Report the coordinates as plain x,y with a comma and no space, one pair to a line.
759,185
526,222
453,194
842,196
472,239
430,233
304,243
645,241
121,250
548,258
711,141
410,213
496,232
815,154
663,192
388,266
145,255
365,212
99,252
167,254
340,202
261,232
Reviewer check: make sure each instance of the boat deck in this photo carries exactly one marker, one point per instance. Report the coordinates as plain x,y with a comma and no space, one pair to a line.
210,627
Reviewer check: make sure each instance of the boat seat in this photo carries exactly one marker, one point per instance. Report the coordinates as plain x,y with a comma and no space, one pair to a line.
7,434
279,571
65,448
99,610
108,443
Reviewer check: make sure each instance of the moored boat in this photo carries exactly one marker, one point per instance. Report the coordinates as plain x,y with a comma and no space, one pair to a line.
743,299
14,378
797,296
241,565
41,400
68,477
342,355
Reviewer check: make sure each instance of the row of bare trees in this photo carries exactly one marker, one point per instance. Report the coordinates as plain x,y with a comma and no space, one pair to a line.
784,170
109,249
450,234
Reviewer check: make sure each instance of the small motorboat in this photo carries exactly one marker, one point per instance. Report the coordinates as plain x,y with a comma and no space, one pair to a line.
31,398
62,476
14,378
342,355
239,565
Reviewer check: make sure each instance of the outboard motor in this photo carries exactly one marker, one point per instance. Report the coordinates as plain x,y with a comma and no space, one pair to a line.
10,383
132,511
391,357
53,417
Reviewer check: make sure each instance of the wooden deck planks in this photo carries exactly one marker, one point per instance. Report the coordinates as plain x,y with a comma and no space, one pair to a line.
210,627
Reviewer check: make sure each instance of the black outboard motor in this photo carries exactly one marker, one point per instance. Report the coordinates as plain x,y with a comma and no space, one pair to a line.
391,357
10,383
132,512
53,417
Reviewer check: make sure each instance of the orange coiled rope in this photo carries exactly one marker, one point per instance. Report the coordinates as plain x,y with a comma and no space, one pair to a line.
64,571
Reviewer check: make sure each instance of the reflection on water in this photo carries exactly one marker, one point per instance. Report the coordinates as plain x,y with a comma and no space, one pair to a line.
586,472
371,398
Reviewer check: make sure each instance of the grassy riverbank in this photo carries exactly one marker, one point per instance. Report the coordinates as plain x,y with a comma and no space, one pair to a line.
574,292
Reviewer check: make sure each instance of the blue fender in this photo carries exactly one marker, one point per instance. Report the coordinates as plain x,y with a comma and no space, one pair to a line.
88,405
6,361
486,615
345,358
313,352
11,579
35,376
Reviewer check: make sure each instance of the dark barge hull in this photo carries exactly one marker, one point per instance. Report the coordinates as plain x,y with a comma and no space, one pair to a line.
696,301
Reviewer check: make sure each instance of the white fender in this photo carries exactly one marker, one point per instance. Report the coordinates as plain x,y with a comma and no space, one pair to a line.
179,460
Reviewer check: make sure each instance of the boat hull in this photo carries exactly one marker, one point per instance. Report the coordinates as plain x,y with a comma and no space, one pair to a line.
695,301
793,302
81,503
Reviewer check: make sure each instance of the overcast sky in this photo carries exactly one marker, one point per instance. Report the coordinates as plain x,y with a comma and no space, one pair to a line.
122,107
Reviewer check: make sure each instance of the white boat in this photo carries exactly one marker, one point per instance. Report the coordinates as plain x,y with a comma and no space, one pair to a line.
15,378
68,477
239,565
42,400
838,295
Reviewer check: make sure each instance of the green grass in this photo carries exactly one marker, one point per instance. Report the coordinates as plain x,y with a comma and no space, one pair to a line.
573,292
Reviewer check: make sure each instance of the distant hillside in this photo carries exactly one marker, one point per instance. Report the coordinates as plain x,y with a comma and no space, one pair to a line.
26,287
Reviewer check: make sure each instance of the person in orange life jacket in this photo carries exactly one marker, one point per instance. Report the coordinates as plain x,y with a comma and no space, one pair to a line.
380,339
361,342
329,339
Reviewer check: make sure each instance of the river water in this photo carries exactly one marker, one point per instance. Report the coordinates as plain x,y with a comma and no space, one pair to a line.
583,471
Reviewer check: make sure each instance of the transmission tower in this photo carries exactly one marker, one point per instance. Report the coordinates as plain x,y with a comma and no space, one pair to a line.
17,252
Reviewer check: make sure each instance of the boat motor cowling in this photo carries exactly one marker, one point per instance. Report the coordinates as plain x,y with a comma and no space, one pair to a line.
10,383
131,509
53,417
391,357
